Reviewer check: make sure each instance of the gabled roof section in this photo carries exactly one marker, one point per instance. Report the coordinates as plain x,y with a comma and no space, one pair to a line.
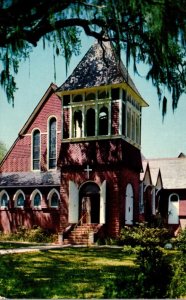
146,175
173,171
52,88
99,67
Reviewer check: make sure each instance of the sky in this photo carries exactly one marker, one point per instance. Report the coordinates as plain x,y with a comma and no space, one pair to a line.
159,138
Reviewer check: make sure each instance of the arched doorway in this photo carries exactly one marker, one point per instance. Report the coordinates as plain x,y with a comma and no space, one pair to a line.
129,203
89,203
173,209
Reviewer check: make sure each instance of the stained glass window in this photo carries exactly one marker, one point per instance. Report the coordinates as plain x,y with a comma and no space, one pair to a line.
37,199
52,143
36,150
4,200
20,200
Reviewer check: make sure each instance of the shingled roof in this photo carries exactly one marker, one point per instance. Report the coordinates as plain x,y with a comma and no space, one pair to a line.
98,68
27,179
173,171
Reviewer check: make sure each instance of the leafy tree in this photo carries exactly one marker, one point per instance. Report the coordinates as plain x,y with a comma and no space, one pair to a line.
150,31
3,150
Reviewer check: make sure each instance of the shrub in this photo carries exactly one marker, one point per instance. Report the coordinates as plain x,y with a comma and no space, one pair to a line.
150,280
177,288
35,234
180,241
142,235
40,235
155,273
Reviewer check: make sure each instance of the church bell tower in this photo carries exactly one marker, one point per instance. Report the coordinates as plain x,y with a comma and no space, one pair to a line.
101,135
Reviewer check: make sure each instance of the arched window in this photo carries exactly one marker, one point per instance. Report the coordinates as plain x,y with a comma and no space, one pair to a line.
173,209
90,96
77,98
103,95
90,122
35,198
52,143
19,199
36,150
53,198
129,123
4,199
103,121
115,94
138,130
129,203
133,127
78,123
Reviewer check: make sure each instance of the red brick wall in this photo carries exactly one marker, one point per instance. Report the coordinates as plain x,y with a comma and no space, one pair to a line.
66,123
19,158
117,179
13,217
115,118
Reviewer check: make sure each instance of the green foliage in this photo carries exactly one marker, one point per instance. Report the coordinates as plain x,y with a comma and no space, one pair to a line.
154,273
177,288
150,280
152,32
36,234
3,150
142,235
180,241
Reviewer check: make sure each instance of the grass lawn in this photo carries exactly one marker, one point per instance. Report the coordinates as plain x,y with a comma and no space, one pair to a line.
63,273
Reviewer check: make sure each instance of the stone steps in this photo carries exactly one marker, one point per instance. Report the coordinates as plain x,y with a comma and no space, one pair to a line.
81,235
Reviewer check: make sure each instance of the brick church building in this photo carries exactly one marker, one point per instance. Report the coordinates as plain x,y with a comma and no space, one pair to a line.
75,165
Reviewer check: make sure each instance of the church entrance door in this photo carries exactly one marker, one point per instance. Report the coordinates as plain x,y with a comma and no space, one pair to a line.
89,197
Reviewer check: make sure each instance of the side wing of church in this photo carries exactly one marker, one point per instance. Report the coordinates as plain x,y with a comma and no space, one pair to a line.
29,178
163,196
75,166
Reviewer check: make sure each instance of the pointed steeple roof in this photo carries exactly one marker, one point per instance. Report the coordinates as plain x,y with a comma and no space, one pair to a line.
98,68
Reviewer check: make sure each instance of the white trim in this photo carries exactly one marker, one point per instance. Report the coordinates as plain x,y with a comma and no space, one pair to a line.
153,193
16,196
120,115
8,198
48,132
73,205
129,204
173,209
146,186
131,106
49,197
32,133
141,198
103,199
32,198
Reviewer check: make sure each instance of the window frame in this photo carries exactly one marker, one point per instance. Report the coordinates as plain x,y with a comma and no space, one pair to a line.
49,158
8,199
77,125
39,147
15,198
49,198
32,198
90,110
103,109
